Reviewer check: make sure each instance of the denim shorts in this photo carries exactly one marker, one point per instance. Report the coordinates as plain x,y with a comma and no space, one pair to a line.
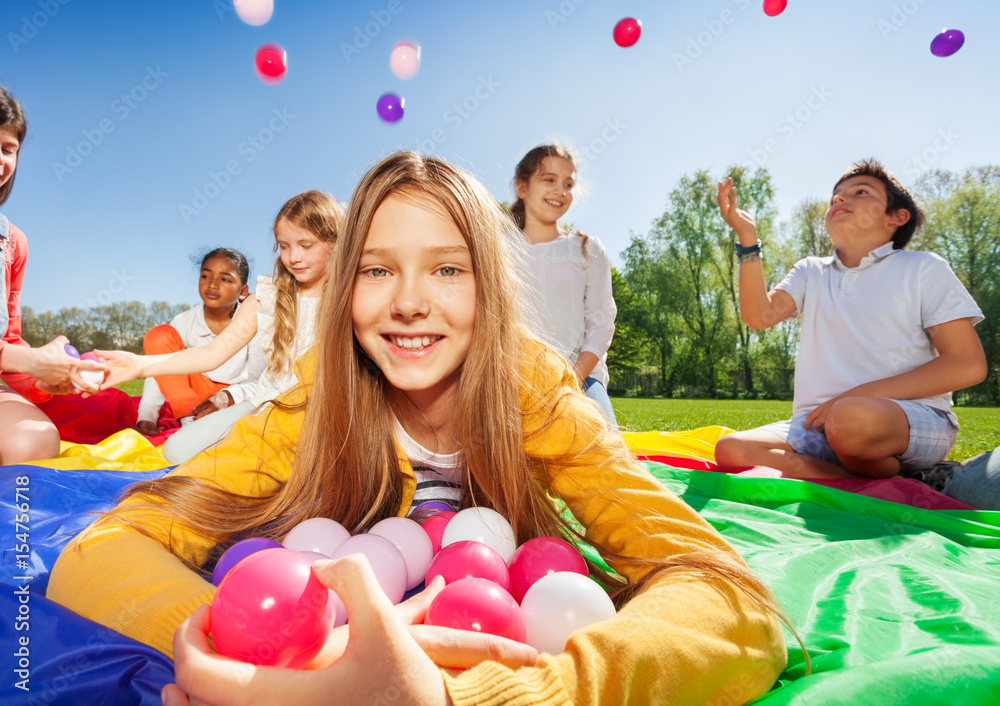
932,434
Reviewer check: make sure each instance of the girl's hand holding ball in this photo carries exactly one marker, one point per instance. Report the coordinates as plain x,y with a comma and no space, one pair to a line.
121,366
386,646
58,368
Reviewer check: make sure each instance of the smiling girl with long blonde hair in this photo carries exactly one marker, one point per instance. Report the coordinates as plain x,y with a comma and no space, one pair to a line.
422,355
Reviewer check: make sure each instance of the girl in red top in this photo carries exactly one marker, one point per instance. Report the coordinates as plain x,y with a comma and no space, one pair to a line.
25,373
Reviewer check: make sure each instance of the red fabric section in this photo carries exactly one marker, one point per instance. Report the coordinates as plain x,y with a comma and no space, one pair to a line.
90,420
899,490
905,491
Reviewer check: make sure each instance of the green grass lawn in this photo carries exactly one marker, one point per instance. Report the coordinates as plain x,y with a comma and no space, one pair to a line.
132,387
980,425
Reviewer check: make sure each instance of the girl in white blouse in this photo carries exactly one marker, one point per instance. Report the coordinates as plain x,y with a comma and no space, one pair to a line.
567,273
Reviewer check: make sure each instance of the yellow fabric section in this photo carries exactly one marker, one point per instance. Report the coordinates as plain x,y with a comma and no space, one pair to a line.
126,450
696,443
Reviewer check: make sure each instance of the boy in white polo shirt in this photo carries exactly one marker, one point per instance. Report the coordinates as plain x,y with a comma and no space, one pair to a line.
886,337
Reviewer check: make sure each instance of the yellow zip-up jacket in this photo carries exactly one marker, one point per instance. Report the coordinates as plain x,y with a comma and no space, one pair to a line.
684,640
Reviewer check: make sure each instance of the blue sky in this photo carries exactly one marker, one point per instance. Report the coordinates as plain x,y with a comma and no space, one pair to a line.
137,108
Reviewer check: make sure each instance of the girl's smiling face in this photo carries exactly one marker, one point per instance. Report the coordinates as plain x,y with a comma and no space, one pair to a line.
548,193
9,146
414,299
303,254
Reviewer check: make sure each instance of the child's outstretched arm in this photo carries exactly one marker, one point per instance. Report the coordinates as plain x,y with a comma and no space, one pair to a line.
124,366
759,308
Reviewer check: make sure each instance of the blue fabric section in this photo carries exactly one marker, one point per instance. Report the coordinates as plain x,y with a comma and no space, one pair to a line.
59,504
69,659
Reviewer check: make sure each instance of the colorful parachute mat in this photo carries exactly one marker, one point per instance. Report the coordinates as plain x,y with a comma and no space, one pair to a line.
896,603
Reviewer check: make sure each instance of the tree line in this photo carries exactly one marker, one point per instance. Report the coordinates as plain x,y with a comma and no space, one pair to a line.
117,326
679,332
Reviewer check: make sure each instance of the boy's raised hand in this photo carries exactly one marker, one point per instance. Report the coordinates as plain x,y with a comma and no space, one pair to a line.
740,221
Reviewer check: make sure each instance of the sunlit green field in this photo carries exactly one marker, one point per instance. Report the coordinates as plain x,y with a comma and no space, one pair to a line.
980,425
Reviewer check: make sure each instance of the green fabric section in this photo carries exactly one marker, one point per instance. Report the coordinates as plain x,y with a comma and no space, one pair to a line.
896,604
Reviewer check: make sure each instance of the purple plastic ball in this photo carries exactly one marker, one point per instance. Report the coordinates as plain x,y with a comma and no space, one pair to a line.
239,551
430,507
947,43
390,107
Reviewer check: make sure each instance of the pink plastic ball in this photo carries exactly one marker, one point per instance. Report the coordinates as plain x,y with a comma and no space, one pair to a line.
254,12
317,534
627,32
271,610
773,8
558,605
540,557
404,60
477,605
340,612
434,527
239,551
414,544
386,560
469,560
271,62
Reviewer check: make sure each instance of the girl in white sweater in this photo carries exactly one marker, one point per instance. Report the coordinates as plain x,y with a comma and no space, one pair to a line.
568,273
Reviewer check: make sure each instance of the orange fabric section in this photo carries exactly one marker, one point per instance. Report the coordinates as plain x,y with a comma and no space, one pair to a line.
183,392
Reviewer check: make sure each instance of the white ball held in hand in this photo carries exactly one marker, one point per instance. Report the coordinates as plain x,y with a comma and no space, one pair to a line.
93,377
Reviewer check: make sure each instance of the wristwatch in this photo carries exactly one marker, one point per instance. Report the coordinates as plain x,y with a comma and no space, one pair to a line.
741,251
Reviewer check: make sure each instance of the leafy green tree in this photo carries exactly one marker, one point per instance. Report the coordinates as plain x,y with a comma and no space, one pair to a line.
653,304
120,325
691,235
963,226
630,346
809,236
